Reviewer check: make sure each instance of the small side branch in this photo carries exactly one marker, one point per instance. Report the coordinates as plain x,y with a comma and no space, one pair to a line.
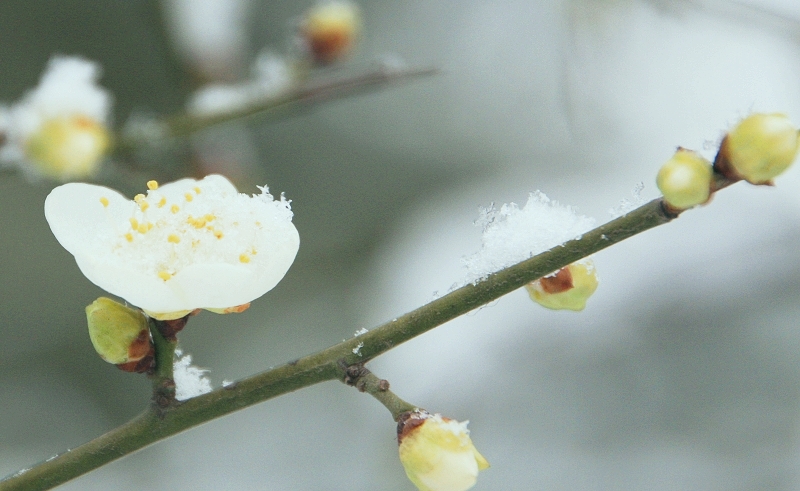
152,425
361,378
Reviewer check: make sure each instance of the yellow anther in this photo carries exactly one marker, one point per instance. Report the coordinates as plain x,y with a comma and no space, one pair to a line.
208,217
188,196
142,228
134,223
138,198
196,222
253,251
144,205
152,185
149,225
173,238
104,200
129,237
217,234
175,208
197,190
244,258
162,202
164,275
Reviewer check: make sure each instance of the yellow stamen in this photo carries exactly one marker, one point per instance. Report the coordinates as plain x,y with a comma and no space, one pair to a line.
152,185
196,222
173,238
258,224
142,229
162,202
104,200
197,190
164,275
175,208
134,223
144,205
253,251
138,198
188,197
149,225
217,234
244,258
208,217
129,237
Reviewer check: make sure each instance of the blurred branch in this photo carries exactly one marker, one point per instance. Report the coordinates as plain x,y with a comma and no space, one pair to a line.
296,98
333,363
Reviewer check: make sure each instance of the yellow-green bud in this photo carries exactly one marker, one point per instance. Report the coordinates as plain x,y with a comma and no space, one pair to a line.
567,289
68,148
759,148
120,334
437,453
685,179
330,28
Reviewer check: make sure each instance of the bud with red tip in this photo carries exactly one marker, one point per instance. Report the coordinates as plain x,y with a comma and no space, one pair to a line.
567,289
120,335
758,149
437,452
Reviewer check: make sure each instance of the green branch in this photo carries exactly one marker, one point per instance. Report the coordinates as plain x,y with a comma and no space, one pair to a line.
156,423
303,95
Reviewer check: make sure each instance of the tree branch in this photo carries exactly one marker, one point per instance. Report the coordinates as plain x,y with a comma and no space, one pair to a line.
305,94
156,423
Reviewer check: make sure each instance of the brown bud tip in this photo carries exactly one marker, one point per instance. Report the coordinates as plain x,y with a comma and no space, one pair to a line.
557,283
142,366
409,420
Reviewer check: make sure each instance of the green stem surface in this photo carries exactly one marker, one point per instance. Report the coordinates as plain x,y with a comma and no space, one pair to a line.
157,423
302,96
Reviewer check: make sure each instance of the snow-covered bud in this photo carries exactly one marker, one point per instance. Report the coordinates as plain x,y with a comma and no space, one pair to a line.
437,453
567,289
329,29
68,148
758,149
60,128
120,334
685,179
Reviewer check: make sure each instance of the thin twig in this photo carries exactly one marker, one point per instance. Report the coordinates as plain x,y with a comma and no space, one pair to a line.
156,424
305,95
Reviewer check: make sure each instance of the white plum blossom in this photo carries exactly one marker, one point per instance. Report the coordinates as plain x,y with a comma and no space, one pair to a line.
59,129
186,245
437,453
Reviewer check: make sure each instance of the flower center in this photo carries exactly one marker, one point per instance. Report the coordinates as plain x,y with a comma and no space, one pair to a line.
169,230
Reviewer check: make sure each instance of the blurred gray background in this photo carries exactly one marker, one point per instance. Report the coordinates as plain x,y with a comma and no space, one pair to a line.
683,373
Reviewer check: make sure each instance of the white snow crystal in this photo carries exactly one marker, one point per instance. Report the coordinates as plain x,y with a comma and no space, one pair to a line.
357,349
512,234
190,381
627,205
360,332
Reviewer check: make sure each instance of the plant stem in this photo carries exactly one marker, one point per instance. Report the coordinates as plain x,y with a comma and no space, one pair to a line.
332,363
163,382
366,381
304,94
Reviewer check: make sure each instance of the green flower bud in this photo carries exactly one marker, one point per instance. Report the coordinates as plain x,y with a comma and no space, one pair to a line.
685,179
568,289
69,148
120,334
759,148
